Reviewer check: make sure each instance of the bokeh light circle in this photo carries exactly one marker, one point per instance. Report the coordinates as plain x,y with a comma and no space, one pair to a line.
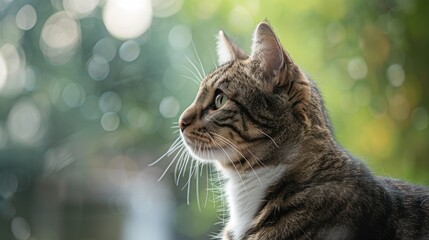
420,118
137,118
110,102
180,37
106,48
357,68
127,19
80,8
129,51
8,184
110,121
60,37
24,122
20,228
395,74
169,107
98,68
166,8
3,71
26,17
12,67
73,95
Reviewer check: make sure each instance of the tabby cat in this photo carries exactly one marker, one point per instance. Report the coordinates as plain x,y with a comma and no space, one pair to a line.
262,122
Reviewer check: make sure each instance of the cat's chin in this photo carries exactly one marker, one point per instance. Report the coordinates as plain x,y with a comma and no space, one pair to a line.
204,153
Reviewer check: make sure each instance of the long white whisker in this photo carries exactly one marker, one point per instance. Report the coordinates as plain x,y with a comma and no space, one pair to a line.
188,183
269,137
214,61
227,155
178,139
261,164
207,186
220,193
179,165
185,164
192,79
198,57
176,166
195,67
197,189
202,167
176,131
232,145
192,72
176,144
169,165
171,151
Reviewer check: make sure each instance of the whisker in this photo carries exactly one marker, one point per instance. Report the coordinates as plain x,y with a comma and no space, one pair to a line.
169,165
174,146
192,79
201,170
198,57
197,189
209,169
172,150
188,183
227,155
192,72
195,67
176,131
213,59
232,145
269,137
179,165
185,165
182,167
222,199
207,186
261,164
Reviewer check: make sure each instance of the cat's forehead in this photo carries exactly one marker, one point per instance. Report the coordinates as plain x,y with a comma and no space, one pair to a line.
226,77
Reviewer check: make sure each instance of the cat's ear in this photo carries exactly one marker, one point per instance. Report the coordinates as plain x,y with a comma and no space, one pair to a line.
269,55
227,50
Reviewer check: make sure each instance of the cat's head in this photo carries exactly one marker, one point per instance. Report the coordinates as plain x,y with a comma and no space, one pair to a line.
252,106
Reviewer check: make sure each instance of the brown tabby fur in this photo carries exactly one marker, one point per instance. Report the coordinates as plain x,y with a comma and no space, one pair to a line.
275,115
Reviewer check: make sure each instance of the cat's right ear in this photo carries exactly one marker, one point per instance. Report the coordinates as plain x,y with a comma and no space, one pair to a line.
227,50
269,55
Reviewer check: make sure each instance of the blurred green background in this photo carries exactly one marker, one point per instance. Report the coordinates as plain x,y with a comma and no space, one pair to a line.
89,90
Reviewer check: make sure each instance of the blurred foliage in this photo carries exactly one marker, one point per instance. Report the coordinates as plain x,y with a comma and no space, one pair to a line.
89,90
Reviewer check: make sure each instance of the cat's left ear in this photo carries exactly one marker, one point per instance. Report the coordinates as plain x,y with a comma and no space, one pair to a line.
268,55
227,50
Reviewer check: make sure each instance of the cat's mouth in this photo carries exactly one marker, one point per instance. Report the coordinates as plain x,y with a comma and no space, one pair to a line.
203,147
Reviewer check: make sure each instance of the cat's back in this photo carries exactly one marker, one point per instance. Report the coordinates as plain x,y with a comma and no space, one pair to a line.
409,206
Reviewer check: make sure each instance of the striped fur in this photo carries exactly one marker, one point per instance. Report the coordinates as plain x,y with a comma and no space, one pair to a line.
287,177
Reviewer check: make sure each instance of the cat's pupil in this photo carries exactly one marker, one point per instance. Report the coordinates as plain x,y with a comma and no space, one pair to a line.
220,100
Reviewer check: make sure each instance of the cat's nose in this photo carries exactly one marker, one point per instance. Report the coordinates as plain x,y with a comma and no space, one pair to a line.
186,119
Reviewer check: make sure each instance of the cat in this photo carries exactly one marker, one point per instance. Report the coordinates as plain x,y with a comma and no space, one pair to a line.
261,121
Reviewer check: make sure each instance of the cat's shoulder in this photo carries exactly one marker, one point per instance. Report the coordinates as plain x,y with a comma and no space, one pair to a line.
403,188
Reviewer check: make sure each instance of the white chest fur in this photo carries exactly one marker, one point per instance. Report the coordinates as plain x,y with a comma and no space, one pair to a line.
245,193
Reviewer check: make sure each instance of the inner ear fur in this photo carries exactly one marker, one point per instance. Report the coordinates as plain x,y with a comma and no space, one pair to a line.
227,50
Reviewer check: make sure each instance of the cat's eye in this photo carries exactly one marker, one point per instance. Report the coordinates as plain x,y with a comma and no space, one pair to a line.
220,100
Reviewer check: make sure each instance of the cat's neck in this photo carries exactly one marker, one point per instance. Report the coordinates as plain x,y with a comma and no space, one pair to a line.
245,193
